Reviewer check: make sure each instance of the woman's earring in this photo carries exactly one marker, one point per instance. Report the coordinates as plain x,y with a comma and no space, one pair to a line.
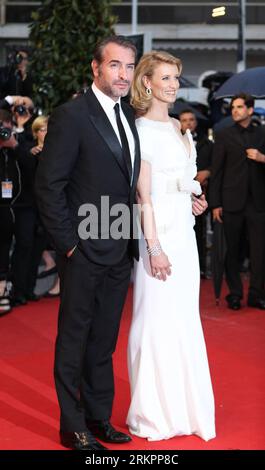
148,91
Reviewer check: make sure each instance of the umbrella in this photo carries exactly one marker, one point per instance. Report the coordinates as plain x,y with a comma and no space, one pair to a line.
180,106
251,81
223,123
216,79
259,111
185,83
218,258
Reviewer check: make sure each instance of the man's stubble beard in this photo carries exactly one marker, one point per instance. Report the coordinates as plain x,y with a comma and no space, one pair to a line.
109,90
242,120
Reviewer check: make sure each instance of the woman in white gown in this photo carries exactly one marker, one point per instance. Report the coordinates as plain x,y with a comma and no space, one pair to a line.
171,391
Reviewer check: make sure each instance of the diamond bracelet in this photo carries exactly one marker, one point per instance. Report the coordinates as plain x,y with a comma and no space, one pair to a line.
155,250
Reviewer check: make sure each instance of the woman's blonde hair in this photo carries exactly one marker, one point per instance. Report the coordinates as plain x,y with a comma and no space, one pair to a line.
39,122
140,100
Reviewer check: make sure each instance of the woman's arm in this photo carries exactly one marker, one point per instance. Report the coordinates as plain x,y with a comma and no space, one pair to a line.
160,265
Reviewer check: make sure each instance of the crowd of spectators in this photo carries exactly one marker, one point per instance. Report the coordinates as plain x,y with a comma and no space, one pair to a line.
23,242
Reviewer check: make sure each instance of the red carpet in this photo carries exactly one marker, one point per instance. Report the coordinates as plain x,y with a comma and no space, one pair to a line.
28,406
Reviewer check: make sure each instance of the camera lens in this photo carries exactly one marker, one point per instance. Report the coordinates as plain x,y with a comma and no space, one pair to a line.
18,58
20,109
5,133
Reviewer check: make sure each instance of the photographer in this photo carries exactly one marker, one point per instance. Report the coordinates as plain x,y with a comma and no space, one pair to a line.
24,116
25,208
17,80
9,192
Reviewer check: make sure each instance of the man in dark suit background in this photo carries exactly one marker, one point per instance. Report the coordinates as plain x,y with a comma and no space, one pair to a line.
86,156
237,195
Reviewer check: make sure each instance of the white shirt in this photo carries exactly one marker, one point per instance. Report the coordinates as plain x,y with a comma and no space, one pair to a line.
108,105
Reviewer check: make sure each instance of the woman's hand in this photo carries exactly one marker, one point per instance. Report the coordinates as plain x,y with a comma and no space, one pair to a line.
35,150
160,266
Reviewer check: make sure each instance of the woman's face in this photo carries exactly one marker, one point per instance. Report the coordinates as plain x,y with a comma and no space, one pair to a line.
164,83
41,133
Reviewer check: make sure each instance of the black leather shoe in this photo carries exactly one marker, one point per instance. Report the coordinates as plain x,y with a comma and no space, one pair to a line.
233,302
106,432
80,441
256,303
32,297
18,300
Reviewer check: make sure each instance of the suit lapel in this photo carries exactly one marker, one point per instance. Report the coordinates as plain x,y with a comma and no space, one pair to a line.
102,124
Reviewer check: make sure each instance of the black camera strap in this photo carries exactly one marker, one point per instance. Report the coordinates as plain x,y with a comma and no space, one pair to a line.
6,164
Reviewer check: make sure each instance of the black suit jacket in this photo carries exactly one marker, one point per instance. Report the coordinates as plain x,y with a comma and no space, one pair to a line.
204,149
80,162
234,178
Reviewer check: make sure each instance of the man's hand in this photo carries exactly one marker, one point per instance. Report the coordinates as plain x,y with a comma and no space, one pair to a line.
199,205
21,120
218,214
202,176
17,100
256,155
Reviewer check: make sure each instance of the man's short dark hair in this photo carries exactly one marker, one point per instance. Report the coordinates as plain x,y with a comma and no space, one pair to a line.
5,116
119,40
187,110
248,99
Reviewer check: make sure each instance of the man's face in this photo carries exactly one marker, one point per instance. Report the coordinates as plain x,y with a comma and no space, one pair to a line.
24,62
114,75
240,112
188,121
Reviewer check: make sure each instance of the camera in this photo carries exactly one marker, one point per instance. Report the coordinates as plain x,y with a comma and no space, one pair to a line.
5,132
22,110
18,58
82,91
14,58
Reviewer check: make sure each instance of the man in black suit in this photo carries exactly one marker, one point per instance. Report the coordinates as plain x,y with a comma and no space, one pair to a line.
91,150
237,195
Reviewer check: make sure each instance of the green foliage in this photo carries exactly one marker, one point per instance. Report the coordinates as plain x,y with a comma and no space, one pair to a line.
63,36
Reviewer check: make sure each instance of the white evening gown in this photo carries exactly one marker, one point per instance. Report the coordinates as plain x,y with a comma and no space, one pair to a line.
171,391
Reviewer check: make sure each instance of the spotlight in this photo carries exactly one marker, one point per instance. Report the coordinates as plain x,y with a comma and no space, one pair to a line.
219,11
